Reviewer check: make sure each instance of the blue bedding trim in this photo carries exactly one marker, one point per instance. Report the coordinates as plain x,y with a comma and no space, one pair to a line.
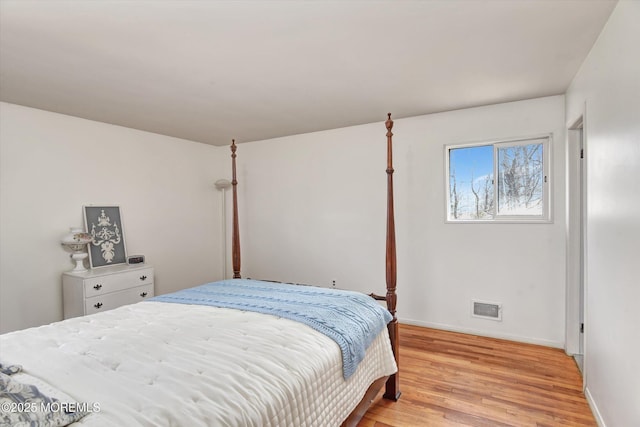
351,319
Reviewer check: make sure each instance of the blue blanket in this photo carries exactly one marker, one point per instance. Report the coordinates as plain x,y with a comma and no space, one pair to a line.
351,319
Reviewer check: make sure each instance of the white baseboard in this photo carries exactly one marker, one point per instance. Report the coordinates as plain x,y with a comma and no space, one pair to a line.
594,408
510,337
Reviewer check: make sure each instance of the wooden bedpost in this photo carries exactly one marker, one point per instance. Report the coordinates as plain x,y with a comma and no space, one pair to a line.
235,241
392,389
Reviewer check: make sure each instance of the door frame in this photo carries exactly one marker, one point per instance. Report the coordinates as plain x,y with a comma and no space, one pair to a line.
576,223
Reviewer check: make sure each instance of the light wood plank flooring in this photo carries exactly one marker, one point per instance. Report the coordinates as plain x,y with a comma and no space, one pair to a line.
452,379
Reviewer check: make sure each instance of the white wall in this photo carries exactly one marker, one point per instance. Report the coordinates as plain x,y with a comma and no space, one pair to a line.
51,165
608,88
313,209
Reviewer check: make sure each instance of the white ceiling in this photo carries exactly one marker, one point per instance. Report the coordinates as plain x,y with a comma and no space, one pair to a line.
210,71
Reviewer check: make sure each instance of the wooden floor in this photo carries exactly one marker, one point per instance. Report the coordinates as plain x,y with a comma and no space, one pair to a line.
452,379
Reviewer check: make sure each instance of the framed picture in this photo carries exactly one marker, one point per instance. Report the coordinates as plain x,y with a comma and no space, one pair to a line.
104,224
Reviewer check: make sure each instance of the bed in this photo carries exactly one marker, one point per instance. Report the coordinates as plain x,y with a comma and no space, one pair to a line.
229,353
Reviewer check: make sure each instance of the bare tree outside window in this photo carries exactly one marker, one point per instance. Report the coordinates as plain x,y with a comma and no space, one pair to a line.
502,180
470,169
520,176
455,200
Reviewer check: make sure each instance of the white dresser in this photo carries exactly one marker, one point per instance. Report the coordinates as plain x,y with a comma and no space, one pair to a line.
105,288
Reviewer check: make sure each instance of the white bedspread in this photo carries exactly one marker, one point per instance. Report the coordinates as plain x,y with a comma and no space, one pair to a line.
160,364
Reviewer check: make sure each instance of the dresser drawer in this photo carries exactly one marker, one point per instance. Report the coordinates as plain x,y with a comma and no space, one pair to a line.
116,299
100,289
116,282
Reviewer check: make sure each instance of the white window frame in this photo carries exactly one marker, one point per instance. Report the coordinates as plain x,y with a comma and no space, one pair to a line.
547,189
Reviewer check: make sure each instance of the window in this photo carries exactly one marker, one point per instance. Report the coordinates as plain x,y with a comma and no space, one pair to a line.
498,181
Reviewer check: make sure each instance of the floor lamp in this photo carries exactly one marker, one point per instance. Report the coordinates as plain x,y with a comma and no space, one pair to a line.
223,185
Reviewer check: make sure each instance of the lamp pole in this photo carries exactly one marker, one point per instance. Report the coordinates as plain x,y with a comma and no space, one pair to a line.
223,185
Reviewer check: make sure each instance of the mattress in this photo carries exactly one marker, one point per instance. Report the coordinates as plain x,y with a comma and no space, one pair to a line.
163,364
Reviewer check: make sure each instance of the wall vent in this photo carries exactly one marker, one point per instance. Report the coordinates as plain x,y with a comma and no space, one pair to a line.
486,310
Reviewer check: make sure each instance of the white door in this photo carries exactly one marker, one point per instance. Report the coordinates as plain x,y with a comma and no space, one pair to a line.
582,206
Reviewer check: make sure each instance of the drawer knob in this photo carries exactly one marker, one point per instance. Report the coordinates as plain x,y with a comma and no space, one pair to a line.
97,305
143,277
97,287
144,294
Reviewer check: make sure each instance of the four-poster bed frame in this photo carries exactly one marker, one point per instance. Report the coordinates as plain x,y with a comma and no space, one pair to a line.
184,358
392,383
